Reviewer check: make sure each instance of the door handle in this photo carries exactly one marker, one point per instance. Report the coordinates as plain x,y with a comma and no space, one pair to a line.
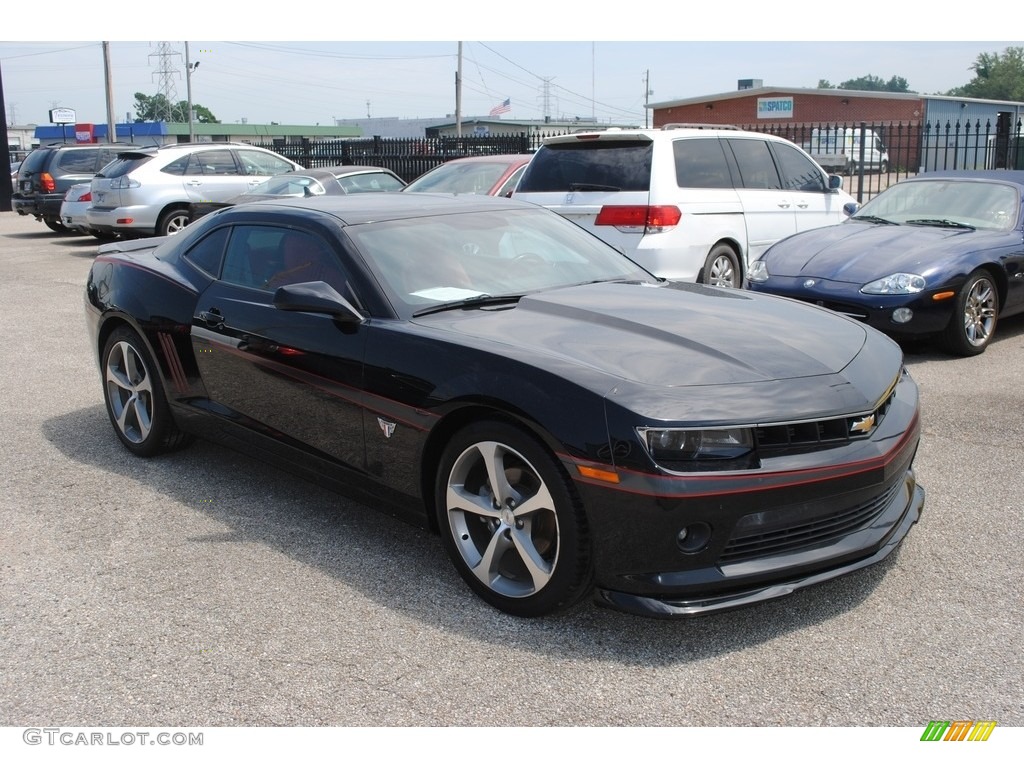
212,317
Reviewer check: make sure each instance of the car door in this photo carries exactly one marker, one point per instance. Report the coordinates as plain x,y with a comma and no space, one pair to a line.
768,208
213,176
814,204
295,376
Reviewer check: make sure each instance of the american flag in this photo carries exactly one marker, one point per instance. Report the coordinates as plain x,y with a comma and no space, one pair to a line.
505,106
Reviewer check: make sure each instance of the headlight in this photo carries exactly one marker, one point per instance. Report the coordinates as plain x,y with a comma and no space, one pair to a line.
902,283
758,272
697,444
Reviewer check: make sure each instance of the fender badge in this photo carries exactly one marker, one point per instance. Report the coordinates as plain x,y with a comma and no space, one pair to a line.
809,283
863,425
387,427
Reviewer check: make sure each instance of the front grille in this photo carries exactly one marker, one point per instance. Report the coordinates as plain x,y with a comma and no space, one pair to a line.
772,533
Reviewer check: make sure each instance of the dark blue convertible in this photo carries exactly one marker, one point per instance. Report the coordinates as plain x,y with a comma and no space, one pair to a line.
941,254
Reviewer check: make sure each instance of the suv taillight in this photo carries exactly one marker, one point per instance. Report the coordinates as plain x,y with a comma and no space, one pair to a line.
648,219
47,183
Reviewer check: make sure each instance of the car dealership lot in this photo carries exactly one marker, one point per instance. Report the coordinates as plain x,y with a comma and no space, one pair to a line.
205,588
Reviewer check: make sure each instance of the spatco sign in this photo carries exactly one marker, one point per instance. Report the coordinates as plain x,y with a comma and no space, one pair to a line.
769,109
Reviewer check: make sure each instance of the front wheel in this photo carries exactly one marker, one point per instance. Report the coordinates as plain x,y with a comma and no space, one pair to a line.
172,222
722,267
135,398
511,521
974,318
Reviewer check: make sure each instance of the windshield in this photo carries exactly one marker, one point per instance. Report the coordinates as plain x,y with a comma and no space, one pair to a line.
434,260
475,178
946,202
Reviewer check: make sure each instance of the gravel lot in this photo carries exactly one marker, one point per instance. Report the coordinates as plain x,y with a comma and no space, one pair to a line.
207,589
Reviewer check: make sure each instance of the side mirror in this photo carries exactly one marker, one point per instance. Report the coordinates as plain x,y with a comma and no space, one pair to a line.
835,182
851,208
316,296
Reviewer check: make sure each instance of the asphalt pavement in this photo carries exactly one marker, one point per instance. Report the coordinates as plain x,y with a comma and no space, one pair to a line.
207,589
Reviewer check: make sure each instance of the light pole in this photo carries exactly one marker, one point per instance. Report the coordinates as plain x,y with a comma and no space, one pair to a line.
189,68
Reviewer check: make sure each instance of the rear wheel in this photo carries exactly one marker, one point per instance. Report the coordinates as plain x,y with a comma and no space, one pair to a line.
55,225
974,319
722,267
511,521
173,221
135,398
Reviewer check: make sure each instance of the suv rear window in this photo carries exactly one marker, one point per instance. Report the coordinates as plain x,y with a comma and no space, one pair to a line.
123,165
36,161
615,166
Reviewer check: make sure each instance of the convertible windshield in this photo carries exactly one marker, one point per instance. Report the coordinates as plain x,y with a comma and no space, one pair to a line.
440,260
967,204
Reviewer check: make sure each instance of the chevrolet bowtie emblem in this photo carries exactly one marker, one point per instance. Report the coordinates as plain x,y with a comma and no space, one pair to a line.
863,425
387,427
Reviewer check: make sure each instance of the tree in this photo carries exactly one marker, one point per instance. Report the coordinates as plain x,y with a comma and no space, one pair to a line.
871,83
996,76
156,107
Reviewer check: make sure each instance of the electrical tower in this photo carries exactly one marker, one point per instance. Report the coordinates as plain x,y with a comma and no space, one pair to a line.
166,73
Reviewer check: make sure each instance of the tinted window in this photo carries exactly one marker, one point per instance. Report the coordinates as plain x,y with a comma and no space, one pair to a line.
256,163
701,163
207,253
212,162
757,168
123,165
35,162
798,170
78,160
266,258
587,166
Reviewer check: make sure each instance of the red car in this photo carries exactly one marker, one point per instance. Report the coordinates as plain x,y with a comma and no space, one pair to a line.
495,175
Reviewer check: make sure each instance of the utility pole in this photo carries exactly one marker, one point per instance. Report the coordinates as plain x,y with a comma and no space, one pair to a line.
647,94
109,82
189,67
458,95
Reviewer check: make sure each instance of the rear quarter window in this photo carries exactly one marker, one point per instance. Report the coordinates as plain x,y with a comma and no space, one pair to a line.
701,163
79,160
617,166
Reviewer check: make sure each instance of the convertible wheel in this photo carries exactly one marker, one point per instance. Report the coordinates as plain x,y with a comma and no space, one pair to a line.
172,222
511,521
973,322
722,267
135,397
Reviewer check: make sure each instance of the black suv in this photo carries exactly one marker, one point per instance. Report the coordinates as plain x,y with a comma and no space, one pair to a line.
47,173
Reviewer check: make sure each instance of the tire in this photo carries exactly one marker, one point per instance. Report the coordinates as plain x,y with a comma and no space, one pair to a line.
56,226
134,396
103,237
974,319
173,221
722,268
883,168
538,521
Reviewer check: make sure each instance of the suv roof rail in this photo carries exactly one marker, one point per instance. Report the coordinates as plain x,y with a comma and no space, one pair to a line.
701,126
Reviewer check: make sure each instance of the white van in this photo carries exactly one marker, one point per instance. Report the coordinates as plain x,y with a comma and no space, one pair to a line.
839,149
687,203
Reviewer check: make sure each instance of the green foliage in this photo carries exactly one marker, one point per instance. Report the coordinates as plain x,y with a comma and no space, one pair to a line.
156,107
996,76
894,84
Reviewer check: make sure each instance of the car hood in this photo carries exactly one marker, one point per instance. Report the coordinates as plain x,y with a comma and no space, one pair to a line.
669,335
858,252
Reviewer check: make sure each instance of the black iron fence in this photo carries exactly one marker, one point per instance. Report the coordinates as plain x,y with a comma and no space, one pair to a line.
872,156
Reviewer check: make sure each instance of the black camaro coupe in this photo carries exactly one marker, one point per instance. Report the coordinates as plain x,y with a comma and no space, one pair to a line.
567,422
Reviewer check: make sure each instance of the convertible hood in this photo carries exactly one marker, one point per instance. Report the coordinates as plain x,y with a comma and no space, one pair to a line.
857,252
665,335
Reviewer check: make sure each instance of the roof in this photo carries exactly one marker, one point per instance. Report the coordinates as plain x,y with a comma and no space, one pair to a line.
766,90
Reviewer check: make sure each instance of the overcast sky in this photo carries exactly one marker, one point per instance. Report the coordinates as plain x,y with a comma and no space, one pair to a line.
303,82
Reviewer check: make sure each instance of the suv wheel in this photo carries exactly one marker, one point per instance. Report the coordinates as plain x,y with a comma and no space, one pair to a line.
172,222
56,226
722,268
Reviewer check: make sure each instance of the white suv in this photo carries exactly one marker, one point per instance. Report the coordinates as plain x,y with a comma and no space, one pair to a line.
148,191
695,203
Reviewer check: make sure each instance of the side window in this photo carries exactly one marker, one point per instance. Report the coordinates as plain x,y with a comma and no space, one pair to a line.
177,167
701,163
207,253
510,183
267,257
798,170
757,168
78,160
255,163
212,162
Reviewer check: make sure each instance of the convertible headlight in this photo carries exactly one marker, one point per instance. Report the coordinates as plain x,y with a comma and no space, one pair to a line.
697,444
758,272
900,284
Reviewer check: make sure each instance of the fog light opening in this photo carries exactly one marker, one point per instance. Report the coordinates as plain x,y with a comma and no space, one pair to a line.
902,315
693,538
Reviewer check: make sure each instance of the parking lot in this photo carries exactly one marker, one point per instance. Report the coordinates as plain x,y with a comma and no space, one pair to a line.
207,589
